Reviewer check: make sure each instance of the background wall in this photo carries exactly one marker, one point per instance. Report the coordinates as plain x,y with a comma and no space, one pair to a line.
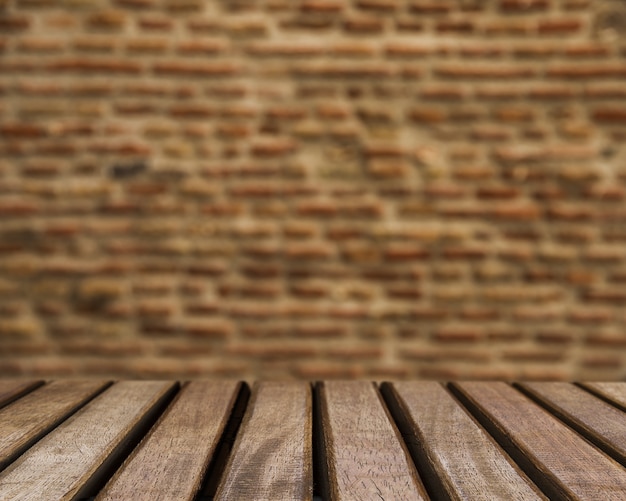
313,189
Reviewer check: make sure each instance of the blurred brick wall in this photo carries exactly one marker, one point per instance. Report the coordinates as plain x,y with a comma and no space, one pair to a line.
315,188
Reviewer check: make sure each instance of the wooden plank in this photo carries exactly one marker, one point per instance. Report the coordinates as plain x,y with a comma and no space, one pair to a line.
11,390
171,460
65,464
364,457
556,458
613,392
25,421
272,456
459,460
601,423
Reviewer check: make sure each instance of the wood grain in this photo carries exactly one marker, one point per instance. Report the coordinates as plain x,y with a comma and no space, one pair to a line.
613,392
558,460
272,456
27,419
64,461
11,390
459,459
365,458
593,418
170,462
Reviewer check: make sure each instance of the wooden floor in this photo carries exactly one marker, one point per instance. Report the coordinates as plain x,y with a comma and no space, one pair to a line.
200,440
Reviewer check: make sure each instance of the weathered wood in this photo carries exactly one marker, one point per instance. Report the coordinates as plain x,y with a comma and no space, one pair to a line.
459,460
613,392
64,464
601,423
11,390
272,456
559,461
26,420
364,455
170,462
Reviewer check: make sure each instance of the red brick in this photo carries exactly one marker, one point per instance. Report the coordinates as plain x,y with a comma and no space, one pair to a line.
94,44
92,65
614,340
309,251
528,355
17,208
405,252
605,91
535,50
495,192
427,115
39,45
363,25
244,27
22,130
12,23
480,72
551,92
292,48
606,295
555,336
345,70
460,26
200,25
519,6
408,49
353,49
601,362
587,71
321,6
457,334
184,6
479,314
593,316
107,20
193,111
378,5
497,92
309,291
559,26
306,22
196,69
147,46
505,27
430,7
588,49
481,51
136,4
354,352
609,115
275,147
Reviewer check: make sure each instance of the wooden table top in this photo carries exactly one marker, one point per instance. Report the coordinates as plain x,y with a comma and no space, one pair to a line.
201,440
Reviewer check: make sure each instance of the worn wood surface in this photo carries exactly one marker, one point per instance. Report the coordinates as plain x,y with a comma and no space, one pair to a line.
593,418
562,463
614,392
363,451
26,420
12,389
170,462
459,459
61,465
136,440
272,457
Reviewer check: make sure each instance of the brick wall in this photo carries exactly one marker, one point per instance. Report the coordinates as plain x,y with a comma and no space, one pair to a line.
313,189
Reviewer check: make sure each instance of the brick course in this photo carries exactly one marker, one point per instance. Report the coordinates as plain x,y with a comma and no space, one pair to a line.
313,189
